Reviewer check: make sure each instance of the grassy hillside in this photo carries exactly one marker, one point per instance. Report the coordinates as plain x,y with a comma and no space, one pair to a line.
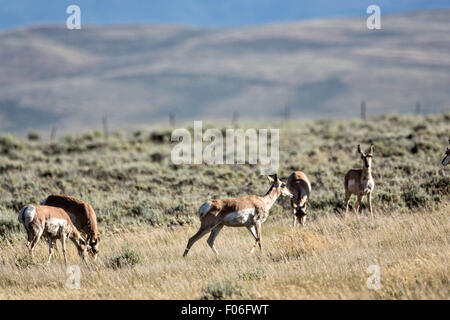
147,209
138,74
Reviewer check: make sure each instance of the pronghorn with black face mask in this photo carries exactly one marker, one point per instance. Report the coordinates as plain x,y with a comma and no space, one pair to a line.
249,211
300,187
446,159
82,215
360,182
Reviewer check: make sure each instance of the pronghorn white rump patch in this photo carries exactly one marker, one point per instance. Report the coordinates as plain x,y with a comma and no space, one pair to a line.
54,226
204,208
240,218
26,215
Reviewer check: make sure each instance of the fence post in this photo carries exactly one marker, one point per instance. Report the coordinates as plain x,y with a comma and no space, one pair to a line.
363,110
235,117
287,113
418,108
172,119
53,134
105,126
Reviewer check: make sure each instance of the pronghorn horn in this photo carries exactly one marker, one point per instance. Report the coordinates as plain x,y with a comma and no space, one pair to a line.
359,149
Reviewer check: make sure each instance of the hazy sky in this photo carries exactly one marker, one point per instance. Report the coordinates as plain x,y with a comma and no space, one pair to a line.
15,13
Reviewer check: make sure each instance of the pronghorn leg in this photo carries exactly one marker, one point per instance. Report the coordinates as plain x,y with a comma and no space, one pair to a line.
295,217
303,220
63,245
358,207
34,241
54,245
258,233
369,201
213,236
294,223
200,233
347,201
30,238
255,235
50,249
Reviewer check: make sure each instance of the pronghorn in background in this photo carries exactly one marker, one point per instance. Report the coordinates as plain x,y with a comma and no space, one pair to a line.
446,159
248,211
360,182
300,187
82,215
52,223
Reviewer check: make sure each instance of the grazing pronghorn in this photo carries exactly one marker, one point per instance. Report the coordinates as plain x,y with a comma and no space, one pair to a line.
82,215
52,223
446,159
300,187
247,211
360,182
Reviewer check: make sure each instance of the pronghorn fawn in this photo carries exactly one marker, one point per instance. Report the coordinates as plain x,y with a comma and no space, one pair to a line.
248,211
52,223
82,215
446,159
300,187
360,182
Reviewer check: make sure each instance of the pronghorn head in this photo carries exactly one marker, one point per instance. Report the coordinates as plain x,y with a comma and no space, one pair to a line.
446,159
93,245
279,186
82,248
94,248
300,211
366,157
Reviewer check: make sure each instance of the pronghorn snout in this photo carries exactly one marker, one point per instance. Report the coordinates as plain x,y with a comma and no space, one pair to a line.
285,192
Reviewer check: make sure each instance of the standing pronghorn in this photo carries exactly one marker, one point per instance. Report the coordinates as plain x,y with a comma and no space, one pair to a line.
52,223
360,182
82,215
446,159
247,211
300,187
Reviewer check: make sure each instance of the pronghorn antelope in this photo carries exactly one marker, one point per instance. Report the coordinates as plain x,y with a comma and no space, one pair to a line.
300,187
247,211
52,223
82,215
446,159
360,182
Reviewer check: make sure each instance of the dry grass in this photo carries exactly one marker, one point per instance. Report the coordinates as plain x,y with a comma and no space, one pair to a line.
327,259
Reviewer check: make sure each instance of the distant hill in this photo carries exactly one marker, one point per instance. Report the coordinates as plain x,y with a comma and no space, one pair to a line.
140,74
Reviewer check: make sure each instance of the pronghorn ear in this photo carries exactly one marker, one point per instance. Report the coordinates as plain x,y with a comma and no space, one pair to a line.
271,179
372,148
